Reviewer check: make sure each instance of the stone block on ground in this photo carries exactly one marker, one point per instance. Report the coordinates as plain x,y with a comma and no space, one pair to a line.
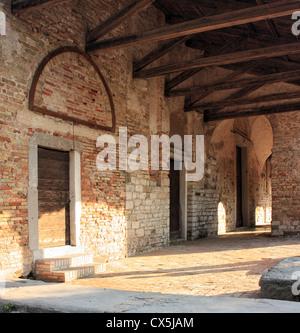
281,281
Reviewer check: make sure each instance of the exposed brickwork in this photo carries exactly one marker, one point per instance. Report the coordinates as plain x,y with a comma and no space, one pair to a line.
125,213
147,202
69,85
113,223
285,174
212,202
205,203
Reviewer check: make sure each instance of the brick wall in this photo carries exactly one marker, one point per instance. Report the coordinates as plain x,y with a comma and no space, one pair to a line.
212,201
285,174
122,213
69,85
113,223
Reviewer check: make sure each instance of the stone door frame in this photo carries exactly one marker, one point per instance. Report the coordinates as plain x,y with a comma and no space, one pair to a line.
74,148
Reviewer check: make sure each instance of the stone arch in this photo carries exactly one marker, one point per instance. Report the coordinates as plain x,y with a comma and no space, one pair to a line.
255,136
242,126
260,170
222,138
222,130
68,85
262,139
222,149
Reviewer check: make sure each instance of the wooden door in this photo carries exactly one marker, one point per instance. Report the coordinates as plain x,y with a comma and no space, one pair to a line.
175,230
239,190
53,198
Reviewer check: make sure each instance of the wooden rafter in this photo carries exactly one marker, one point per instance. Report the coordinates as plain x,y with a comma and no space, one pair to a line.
231,102
158,52
270,24
253,37
208,90
227,19
250,112
221,60
119,18
189,73
236,84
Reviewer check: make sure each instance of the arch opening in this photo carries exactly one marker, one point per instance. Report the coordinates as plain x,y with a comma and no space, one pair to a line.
242,149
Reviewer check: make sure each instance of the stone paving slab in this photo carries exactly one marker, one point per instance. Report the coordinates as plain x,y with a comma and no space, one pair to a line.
219,274
66,298
227,265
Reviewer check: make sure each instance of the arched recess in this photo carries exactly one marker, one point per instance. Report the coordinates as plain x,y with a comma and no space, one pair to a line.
253,138
222,148
262,138
68,85
260,171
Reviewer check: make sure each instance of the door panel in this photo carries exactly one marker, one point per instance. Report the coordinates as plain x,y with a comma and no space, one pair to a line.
53,198
175,230
239,191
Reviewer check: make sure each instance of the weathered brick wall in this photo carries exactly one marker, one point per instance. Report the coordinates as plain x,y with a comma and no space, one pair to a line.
202,212
260,194
212,201
147,203
113,223
14,250
122,213
285,174
70,86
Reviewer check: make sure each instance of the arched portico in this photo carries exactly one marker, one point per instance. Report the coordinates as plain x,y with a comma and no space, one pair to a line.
242,148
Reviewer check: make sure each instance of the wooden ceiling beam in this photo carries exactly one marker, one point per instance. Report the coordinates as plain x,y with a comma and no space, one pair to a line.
236,84
117,19
264,110
187,74
209,90
229,102
271,25
191,104
262,37
158,52
221,60
223,20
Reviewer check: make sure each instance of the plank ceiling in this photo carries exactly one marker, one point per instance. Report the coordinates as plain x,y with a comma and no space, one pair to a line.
246,36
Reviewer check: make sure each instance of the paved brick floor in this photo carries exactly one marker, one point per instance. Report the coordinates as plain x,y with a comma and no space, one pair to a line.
226,265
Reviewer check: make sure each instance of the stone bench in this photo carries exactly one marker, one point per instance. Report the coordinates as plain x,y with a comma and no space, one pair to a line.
282,281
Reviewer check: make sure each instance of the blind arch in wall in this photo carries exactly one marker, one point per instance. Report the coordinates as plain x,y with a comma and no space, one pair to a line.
68,85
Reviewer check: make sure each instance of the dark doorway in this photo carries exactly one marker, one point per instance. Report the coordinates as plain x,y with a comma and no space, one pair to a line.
239,188
53,198
175,228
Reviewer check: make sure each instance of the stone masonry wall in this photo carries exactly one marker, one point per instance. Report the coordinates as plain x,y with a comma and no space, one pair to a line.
121,215
212,201
285,174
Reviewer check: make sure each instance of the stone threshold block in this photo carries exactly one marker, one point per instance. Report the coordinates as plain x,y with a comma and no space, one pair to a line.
282,282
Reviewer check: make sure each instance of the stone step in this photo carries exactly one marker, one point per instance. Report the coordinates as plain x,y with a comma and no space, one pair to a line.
63,269
64,262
